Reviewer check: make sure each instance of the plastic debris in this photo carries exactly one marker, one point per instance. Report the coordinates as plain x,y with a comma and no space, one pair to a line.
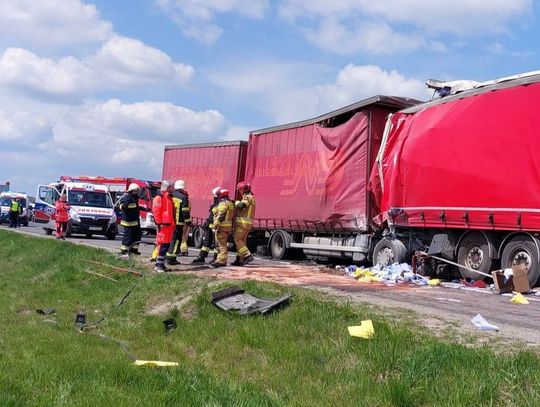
365,330
434,282
519,299
480,322
235,299
155,363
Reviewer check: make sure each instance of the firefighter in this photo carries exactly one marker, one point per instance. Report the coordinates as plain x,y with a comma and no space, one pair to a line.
131,220
186,215
15,210
208,226
62,217
181,206
245,212
223,226
164,215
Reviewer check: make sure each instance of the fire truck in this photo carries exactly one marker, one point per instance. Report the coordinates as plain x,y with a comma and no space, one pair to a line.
117,187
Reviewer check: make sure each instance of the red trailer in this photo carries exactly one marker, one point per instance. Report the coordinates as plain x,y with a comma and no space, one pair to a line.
466,167
204,167
310,179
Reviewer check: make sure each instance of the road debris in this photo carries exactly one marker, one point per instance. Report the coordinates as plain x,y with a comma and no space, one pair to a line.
155,363
46,311
519,299
480,322
365,330
234,298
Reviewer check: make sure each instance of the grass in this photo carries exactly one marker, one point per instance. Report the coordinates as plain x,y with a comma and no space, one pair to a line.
300,355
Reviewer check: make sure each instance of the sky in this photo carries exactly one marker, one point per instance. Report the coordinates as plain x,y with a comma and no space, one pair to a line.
100,87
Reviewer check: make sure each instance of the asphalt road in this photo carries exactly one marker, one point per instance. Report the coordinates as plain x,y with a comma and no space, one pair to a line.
440,308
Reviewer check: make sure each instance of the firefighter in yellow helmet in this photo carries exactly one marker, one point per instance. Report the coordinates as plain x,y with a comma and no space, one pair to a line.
245,212
223,226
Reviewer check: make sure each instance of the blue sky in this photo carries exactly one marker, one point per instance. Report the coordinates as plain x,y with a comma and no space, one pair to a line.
99,87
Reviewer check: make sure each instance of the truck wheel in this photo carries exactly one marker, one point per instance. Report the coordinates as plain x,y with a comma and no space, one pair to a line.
89,235
278,245
389,251
198,237
522,250
48,231
473,252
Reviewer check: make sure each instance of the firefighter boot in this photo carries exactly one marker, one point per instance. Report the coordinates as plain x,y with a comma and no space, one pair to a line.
249,259
237,262
199,259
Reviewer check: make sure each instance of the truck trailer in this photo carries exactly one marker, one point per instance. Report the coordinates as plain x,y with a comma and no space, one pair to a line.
464,167
310,179
204,167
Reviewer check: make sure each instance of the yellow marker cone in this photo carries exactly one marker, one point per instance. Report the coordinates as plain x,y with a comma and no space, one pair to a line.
364,330
155,363
519,299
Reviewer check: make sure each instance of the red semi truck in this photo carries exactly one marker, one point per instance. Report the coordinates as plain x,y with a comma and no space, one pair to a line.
467,167
204,167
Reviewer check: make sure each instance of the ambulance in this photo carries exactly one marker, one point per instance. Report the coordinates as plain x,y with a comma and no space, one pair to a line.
5,204
91,213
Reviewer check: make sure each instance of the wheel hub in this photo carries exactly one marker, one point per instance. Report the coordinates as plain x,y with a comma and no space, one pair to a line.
475,257
385,256
521,257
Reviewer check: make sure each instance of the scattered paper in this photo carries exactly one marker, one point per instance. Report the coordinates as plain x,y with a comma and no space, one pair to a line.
364,330
480,322
519,299
155,363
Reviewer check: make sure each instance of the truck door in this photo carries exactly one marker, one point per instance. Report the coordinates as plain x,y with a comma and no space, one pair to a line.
44,209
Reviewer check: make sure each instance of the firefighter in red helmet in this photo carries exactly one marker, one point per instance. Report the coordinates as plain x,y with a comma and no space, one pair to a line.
223,226
245,212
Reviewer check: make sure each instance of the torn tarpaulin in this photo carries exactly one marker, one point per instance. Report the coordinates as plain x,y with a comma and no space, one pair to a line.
234,298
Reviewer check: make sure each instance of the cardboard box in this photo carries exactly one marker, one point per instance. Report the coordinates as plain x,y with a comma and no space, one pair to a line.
520,280
502,284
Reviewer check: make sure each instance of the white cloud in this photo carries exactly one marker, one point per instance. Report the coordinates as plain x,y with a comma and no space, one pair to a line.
390,26
120,63
499,49
237,133
110,138
195,17
278,90
52,22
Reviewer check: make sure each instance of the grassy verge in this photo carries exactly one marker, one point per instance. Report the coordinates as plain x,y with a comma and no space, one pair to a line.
301,355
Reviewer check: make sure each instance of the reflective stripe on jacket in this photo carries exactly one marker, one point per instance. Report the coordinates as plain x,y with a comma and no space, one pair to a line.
245,210
224,215
129,205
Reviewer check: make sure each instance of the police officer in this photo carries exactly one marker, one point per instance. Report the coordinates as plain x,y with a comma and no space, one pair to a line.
245,212
15,210
131,221
223,226
208,226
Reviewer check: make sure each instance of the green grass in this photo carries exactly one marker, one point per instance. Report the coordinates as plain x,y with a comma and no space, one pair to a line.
300,355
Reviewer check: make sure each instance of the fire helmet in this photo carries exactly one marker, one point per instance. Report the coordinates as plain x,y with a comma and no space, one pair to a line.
133,187
215,191
180,184
243,186
223,192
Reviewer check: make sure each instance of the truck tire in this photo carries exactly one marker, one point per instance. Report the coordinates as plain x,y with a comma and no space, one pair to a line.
522,249
473,252
278,245
198,237
389,251
48,231
89,235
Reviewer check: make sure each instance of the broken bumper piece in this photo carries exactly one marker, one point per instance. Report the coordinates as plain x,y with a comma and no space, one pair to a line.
236,299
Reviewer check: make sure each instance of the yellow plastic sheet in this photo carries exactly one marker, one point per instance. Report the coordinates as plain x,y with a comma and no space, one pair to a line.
364,330
434,282
155,363
519,299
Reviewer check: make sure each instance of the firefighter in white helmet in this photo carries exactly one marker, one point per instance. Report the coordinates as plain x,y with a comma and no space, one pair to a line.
183,222
131,221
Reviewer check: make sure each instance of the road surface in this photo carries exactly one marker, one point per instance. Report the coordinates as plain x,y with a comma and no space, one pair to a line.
445,310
